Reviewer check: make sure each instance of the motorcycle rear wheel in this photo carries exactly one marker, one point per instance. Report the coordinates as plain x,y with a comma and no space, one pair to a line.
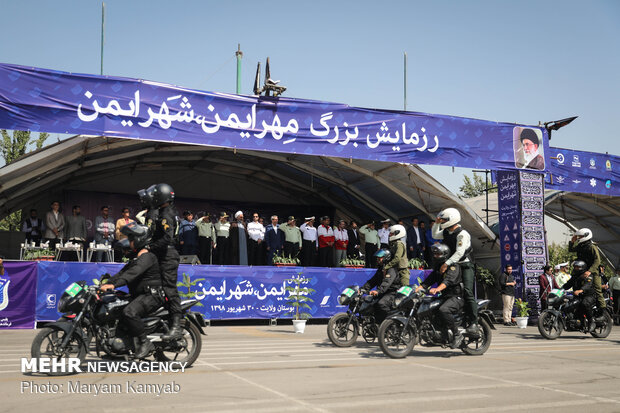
46,344
340,332
191,351
604,330
549,326
396,339
478,346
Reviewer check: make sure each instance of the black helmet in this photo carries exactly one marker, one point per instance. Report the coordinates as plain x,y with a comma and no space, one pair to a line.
441,252
383,255
139,234
146,202
579,267
160,194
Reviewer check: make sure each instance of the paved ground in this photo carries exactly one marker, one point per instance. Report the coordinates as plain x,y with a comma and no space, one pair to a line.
270,369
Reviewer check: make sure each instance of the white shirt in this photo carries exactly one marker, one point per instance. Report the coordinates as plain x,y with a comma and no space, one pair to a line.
384,235
417,233
308,233
341,234
463,242
325,232
256,230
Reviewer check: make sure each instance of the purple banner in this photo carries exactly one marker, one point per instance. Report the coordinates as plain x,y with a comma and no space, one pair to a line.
53,101
586,172
534,243
510,225
224,292
17,294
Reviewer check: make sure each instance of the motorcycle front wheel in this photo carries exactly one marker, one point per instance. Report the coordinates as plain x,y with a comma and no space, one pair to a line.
396,338
182,350
478,346
47,344
549,326
340,331
604,329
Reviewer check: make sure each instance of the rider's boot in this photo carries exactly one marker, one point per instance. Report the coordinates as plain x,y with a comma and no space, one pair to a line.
457,339
145,347
473,329
176,331
592,325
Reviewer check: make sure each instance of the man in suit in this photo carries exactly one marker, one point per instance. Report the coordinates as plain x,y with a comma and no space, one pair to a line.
274,239
546,282
415,240
353,247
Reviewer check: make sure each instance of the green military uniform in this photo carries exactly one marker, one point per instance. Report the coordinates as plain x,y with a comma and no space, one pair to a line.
399,261
588,253
371,236
205,229
292,240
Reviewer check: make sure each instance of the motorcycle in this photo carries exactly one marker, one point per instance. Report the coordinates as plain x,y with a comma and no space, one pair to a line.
564,313
416,321
344,328
90,314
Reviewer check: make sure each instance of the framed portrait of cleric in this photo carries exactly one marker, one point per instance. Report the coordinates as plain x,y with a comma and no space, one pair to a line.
528,148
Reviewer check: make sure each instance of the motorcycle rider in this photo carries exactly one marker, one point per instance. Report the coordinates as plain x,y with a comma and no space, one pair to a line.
387,283
164,229
581,244
143,279
582,282
398,250
450,288
458,240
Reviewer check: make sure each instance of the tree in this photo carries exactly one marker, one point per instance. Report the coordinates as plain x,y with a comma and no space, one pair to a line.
11,148
558,254
474,187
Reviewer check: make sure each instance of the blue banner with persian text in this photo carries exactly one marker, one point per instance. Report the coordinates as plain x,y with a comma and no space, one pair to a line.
53,101
224,292
510,225
586,172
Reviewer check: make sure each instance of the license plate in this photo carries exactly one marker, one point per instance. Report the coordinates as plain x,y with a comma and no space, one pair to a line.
348,292
73,289
405,290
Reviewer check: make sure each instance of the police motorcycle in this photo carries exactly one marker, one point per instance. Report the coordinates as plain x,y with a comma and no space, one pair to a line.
91,313
565,313
344,328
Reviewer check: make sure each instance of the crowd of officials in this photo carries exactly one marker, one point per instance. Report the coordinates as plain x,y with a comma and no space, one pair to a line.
223,239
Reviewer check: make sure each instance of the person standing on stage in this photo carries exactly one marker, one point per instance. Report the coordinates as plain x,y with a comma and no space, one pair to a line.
326,243
256,232
310,243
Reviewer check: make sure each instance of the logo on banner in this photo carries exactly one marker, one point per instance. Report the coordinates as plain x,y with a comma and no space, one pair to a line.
50,300
576,181
507,257
507,247
560,179
593,182
592,163
608,184
560,158
576,162
4,292
608,165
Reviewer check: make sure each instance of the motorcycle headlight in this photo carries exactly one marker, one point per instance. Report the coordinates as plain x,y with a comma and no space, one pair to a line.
63,303
343,299
398,300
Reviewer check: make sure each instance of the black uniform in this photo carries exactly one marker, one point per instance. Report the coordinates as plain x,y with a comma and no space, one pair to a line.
588,253
143,279
588,297
467,274
452,296
162,245
387,285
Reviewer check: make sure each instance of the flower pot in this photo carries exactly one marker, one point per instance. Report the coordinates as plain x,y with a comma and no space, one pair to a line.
299,326
354,266
521,321
285,265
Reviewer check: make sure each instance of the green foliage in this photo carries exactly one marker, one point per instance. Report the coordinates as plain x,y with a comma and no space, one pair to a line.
12,147
523,308
485,276
37,254
416,263
474,187
281,259
11,222
188,283
352,262
559,253
299,297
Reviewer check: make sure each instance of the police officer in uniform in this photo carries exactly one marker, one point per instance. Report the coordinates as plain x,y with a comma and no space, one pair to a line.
143,278
398,250
581,244
582,282
447,228
450,288
310,242
164,230
387,283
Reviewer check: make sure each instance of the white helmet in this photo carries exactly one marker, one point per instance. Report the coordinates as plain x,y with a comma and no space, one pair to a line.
397,232
451,215
584,234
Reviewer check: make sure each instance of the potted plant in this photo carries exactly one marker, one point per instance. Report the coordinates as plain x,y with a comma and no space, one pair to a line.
417,264
353,263
282,261
298,298
486,278
523,312
39,255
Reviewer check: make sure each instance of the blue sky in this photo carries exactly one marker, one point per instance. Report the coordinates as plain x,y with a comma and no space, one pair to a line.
520,61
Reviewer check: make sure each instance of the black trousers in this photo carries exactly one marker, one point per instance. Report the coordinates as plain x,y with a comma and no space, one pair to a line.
326,256
616,297
254,249
587,305
384,306
169,268
448,309
291,249
204,250
222,250
138,308
308,248
469,278
371,262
